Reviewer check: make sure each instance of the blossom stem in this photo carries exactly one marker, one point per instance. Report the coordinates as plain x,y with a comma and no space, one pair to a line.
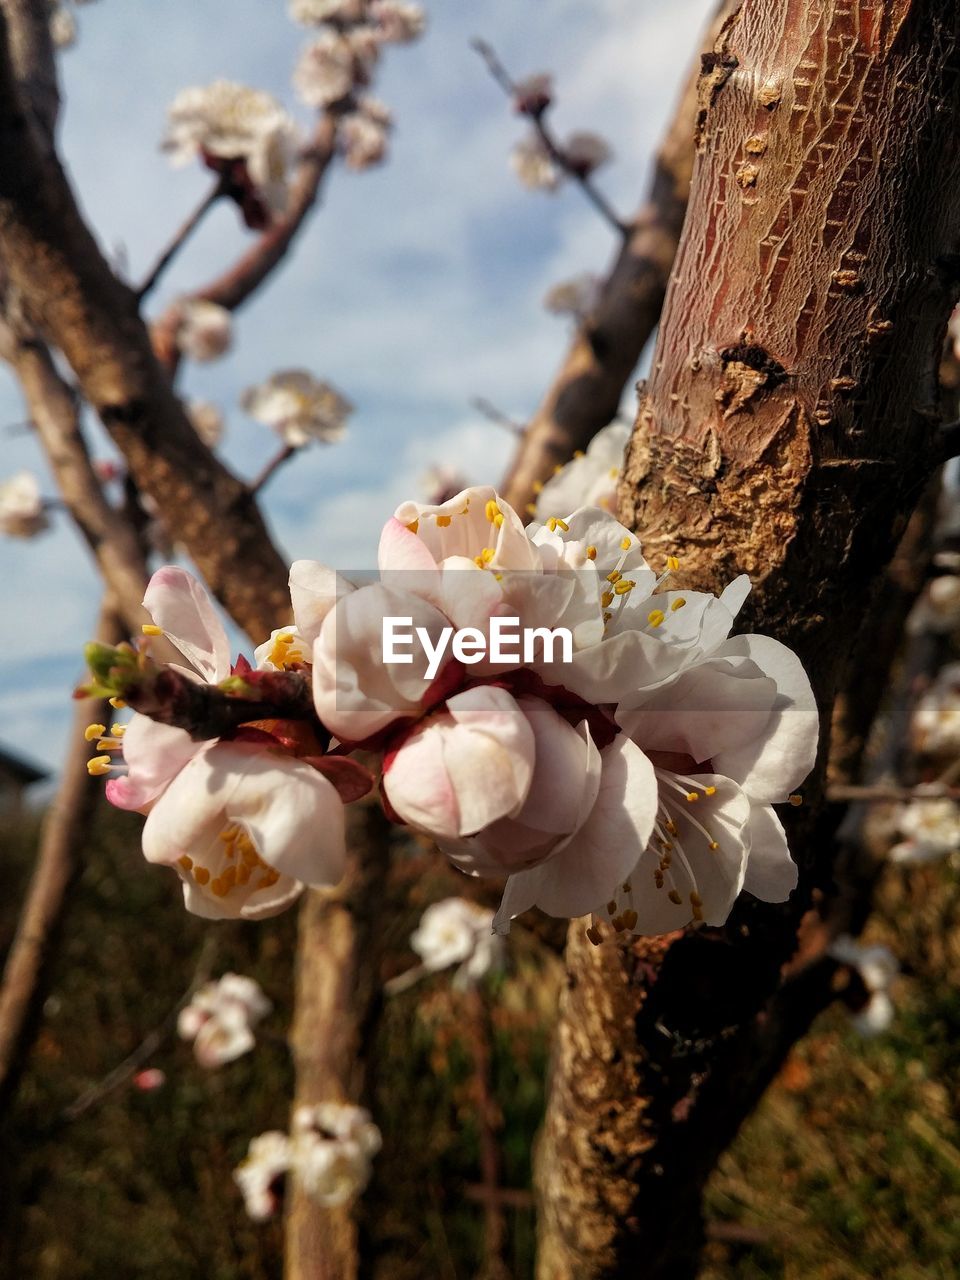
216,192
549,140
274,464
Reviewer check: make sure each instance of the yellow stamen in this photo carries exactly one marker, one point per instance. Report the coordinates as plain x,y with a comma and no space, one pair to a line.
558,468
201,875
118,730
675,898
606,599
673,564
691,796
625,544
614,576
444,521
94,731
552,524
108,744
498,520
591,553
611,906
677,604
562,524
491,510
531,508
713,846
413,526
578,453
537,486
607,617
796,800
98,766
656,617
709,791
118,704
624,586
595,936
151,629
186,862
629,919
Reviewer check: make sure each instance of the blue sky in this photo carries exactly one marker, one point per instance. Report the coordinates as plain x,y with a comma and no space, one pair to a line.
415,287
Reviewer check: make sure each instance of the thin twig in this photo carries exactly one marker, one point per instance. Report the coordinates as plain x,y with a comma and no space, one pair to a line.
275,463
553,147
881,793
216,192
150,1043
497,416
478,1030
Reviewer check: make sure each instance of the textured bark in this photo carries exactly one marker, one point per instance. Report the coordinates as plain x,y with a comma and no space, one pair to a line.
337,999
787,431
71,295
586,392
34,62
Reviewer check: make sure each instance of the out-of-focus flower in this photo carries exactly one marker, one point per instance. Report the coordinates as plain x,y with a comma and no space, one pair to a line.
220,1019
149,1079
205,330
953,332
314,13
534,166
938,609
576,297
299,407
534,93
457,932
586,152
241,133
333,65
63,27
332,1150
589,479
268,1160
935,726
441,483
207,421
931,828
364,134
877,967
22,513
398,22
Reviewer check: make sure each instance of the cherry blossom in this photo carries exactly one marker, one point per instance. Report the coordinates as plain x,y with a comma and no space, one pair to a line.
534,166
931,831
205,330
589,479
877,967
314,13
22,508
63,27
577,298
935,725
938,609
364,134
332,1147
457,932
333,65
299,407
267,1161
397,21
220,1019
207,421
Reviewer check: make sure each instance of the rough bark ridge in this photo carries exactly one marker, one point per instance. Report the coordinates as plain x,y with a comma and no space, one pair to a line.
787,430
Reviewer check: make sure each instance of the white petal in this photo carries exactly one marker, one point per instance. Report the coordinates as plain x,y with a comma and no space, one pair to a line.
771,872
181,607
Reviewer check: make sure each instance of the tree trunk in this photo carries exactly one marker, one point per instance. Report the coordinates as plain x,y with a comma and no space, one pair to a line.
787,430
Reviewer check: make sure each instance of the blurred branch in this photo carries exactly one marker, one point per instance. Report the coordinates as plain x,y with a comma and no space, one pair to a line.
586,391
150,1043
75,300
64,835
216,193
497,416
34,61
274,464
239,282
553,148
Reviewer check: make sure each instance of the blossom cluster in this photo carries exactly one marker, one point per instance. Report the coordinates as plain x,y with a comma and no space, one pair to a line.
329,1151
220,1019
633,780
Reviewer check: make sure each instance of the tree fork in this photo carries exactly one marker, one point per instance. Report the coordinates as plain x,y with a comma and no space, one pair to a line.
787,430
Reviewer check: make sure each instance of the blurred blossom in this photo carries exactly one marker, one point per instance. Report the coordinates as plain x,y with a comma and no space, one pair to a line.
332,1149
935,726
398,22
441,483
533,165
455,931
220,1019
931,829
877,967
207,421
22,513
953,333
938,609
576,297
63,27
299,407
534,93
364,134
333,64
239,132
205,331
586,152
268,1160
149,1079
314,13
589,479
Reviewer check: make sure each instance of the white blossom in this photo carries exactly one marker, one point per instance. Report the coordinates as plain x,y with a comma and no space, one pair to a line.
333,65
576,297
63,27
457,932
220,1019
931,828
299,407
938,609
364,134
877,967
398,22
268,1159
22,513
332,1149
205,331
441,482
534,166
314,13
586,152
207,421
224,123
589,479
935,726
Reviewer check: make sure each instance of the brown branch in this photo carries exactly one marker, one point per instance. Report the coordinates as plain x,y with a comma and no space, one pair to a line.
781,436
553,147
76,301
586,391
279,459
240,282
217,191
64,835
34,61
